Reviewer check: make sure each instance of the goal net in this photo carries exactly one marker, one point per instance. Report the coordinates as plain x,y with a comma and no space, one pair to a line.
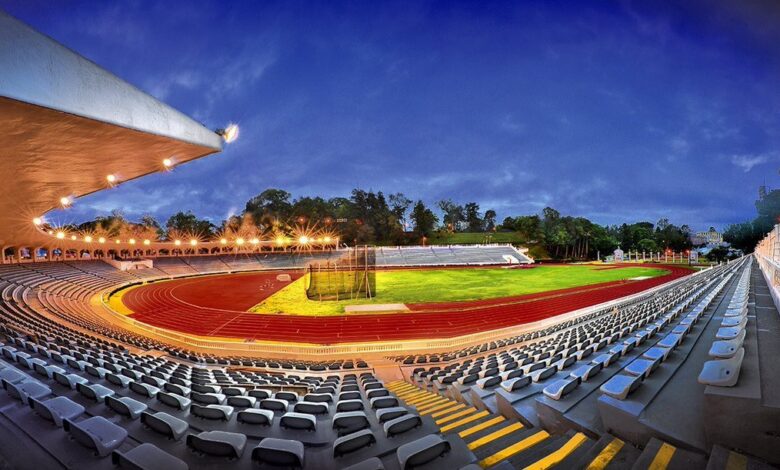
351,276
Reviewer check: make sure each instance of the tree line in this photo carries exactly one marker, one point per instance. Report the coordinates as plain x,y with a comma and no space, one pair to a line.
368,217
747,234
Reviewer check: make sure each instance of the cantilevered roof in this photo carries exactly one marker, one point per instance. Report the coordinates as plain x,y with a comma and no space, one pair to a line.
66,124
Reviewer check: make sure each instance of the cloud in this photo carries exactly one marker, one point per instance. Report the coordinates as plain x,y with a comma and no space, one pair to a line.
747,162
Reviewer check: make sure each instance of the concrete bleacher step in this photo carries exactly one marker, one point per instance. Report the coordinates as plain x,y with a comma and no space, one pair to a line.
662,455
725,459
610,453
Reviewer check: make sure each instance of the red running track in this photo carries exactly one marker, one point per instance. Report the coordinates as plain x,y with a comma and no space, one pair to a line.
216,306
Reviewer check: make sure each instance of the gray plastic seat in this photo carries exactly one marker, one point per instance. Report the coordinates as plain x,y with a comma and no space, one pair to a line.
255,416
350,420
57,409
318,398
274,404
605,359
586,371
260,393
728,332
147,457
69,380
561,387
279,452
177,389
386,414
726,348
176,401
289,397
656,353
47,370
219,443
383,402
295,420
543,374
126,406
349,396
489,382
734,322
352,442
242,401
165,424
516,383
620,386
144,389
12,375
221,412
722,373
401,424
349,405
209,398
23,391
642,367
311,408
670,341
97,433
421,451
118,379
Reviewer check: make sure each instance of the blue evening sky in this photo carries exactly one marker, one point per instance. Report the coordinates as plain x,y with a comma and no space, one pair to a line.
612,110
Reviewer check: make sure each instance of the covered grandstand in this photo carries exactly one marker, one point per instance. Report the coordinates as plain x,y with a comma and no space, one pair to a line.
675,372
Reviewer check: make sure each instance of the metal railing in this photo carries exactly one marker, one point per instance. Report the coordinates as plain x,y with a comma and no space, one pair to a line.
768,255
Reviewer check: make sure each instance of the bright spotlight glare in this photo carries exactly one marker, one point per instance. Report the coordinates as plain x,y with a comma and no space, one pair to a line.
37,221
223,241
167,162
193,242
101,240
132,241
177,242
111,179
239,241
73,237
88,239
147,242
255,241
66,201
303,240
230,134
60,235
326,239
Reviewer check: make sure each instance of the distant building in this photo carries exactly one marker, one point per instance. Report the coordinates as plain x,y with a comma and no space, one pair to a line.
617,255
710,237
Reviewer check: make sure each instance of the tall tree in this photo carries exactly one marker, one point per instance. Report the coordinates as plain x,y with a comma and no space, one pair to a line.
424,219
473,217
490,220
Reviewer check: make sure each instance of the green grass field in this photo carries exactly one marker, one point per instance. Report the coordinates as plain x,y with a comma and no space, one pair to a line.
445,285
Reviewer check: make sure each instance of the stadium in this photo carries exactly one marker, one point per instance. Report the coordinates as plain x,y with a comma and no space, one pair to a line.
306,350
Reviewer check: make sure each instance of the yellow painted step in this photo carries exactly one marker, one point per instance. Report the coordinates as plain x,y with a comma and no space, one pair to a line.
662,457
454,416
434,407
464,421
413,396
423,401
481,426
450,409
514,449
559,455
606,455
495,435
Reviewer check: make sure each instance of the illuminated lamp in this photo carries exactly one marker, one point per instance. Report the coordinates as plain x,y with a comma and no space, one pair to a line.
37,221
280,240
132,241
193,242
230,133
66,201
303,240
223,241
111,179
255,241
177,242
73,237
147,242
168,163
88,239
239,241
101,240
60,235
117,242
326,239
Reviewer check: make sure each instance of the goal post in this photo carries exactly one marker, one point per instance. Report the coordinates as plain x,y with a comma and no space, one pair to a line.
351,276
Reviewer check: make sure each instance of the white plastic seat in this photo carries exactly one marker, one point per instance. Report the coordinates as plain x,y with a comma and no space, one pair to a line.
727,348
97,433
387,414
728,332
561,387
57,409
279,452
722,373
620,386
176,401
349,405
312,408
586,371
642,367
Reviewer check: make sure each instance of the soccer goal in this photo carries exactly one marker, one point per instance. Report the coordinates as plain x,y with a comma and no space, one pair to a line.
351,276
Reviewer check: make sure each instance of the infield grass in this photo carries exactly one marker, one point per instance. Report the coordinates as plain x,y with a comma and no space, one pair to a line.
448,285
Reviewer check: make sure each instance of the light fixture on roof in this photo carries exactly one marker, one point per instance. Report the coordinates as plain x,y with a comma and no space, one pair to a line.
60,235
168,163
239,241
132,241
111,179
73,237
230,133
101,240
177,242
326,239
117,242
38,221
223,241
88,239
66,201
147,242
303,240
255,241
193,242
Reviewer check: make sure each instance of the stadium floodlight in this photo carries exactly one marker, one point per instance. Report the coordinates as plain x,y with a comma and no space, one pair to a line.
147,242
132,241
177,242
73,237
61,235
117,242
193,242
37,221
168,163
229,133
255,241
111,179
303,240
281,240
239,241
88,239
66,201
326,239
223,241
101,240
